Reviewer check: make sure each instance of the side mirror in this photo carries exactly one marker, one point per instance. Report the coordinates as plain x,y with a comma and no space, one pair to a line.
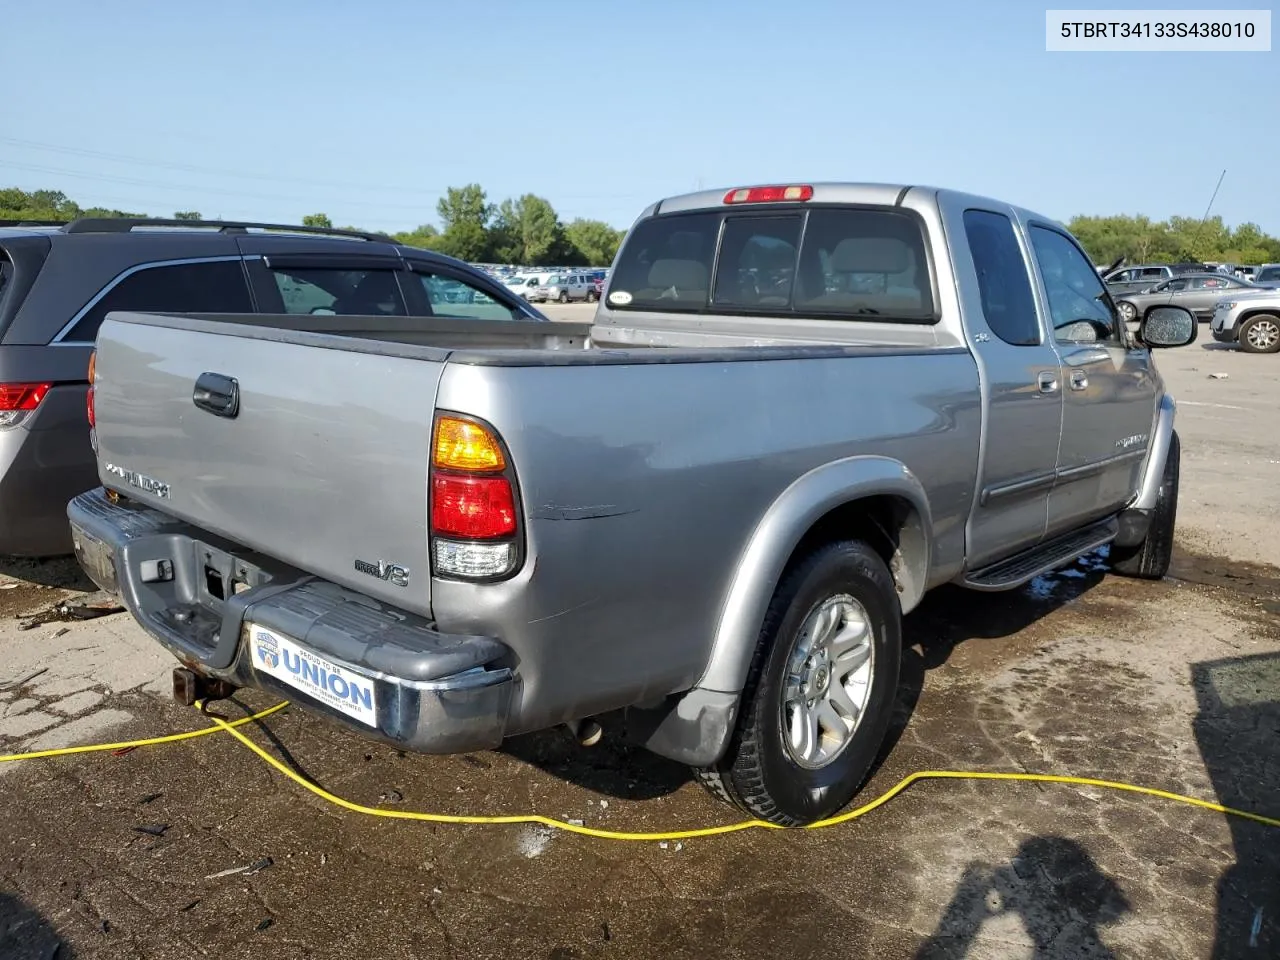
1168,327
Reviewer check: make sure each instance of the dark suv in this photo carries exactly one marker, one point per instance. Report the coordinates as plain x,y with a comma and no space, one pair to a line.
57,282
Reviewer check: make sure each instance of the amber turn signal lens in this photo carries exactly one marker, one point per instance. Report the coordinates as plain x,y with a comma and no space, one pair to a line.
463,445
93,365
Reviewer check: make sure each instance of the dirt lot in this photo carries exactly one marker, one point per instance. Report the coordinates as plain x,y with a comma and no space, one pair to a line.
1174,685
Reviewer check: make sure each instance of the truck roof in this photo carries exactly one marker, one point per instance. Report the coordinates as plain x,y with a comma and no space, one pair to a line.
836,192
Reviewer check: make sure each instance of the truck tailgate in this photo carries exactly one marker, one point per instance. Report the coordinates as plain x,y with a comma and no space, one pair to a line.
323,464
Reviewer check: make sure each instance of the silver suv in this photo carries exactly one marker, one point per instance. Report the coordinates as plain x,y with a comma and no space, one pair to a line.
569,286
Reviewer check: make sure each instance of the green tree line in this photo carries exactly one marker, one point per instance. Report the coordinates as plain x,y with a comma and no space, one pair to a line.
526,230
1176,240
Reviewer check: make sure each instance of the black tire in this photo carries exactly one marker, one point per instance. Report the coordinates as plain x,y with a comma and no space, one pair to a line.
1128,312
591,296
564,296
758,772
1256,325
1150,559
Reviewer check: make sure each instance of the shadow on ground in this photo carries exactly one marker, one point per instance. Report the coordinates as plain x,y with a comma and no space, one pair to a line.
61,572
1054,889
26,935
1237,730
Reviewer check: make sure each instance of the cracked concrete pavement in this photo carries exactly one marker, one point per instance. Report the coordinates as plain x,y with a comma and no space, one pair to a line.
1174,685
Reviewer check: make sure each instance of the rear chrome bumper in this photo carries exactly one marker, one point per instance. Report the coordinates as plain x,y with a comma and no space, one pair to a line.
197,595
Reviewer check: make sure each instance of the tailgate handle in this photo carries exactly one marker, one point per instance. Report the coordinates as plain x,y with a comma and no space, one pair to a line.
218,394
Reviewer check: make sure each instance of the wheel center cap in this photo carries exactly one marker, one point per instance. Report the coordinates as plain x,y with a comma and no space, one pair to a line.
821,677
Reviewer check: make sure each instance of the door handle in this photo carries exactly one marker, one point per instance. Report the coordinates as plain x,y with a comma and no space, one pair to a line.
1047,381
217,394
1079,380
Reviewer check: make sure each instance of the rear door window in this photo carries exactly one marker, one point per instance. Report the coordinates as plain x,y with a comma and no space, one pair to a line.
452,297
208,286
329,291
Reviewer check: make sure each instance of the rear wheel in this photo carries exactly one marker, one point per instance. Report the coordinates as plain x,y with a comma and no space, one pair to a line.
1150,559
1128,312
591,296
1260,334
820,692
564,296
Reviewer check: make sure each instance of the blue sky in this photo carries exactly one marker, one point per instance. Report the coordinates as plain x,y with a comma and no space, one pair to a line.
367,111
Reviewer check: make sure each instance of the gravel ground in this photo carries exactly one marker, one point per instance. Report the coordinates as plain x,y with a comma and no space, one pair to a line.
1174,685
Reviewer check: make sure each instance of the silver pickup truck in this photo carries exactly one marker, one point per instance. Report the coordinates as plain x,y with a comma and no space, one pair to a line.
798,409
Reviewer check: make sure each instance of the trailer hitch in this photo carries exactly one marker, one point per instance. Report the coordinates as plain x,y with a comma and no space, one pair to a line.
190,687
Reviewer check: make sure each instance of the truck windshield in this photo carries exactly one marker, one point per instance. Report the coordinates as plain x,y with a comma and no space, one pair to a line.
837,262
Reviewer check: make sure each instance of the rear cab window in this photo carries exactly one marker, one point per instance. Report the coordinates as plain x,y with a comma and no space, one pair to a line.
838,262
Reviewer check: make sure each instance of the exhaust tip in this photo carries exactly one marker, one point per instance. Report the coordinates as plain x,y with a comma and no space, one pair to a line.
587,732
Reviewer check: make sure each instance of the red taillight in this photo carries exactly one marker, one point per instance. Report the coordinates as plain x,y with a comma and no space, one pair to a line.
477,508
769,194
93,375
22,396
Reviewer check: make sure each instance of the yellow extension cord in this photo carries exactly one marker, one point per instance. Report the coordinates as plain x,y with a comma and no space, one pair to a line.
899,787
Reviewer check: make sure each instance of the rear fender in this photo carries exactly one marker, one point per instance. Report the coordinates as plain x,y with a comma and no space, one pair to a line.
694,727
779,532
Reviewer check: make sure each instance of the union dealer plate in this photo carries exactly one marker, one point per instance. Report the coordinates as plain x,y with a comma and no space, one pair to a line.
321,679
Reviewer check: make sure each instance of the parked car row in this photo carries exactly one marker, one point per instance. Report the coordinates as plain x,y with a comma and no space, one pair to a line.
561,287
1241,311
1141,277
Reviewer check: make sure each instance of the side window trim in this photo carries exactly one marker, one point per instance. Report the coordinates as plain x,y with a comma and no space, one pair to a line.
125,274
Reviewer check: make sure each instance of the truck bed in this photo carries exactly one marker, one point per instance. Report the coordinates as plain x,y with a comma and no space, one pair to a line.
637,475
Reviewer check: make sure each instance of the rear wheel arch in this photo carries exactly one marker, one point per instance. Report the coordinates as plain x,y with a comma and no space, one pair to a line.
874,499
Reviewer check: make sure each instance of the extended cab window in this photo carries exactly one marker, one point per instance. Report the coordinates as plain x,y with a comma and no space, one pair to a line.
451,297
211,286
1003,283
852,262
324,290
1081,309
